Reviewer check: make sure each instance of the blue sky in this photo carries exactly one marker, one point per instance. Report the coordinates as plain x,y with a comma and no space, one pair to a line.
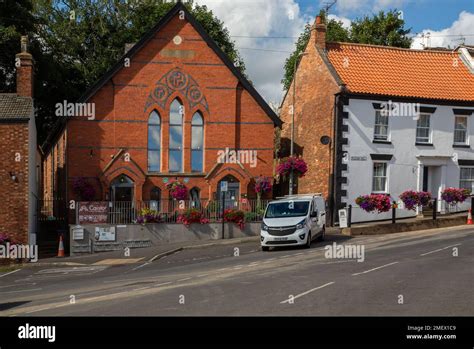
419,14
265,30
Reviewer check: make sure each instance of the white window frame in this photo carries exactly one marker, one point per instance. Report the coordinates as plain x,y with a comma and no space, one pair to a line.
386,191
466,142
388,127
469,180
430,130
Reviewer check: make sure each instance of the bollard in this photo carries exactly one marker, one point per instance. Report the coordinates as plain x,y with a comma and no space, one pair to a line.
435,208
349,216
394,212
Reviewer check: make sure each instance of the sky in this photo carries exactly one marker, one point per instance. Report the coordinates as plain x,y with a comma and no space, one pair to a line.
265,31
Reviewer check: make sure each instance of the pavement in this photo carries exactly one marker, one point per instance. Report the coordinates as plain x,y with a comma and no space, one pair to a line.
414,273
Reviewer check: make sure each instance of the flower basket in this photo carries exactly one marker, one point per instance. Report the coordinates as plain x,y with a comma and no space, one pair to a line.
413,199
262,185
177,190
83,189
454,196
235,216
378,203
191,216
147,216
297,164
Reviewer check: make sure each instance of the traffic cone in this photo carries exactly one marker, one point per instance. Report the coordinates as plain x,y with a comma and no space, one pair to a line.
469,217
61,246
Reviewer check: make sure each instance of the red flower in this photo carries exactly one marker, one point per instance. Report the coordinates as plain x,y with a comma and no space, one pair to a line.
296,163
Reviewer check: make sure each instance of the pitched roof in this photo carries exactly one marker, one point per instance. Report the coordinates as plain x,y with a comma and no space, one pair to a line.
382,70
15,108
61,123
148,36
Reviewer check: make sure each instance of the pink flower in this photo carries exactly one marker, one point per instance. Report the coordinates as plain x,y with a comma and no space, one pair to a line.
296,163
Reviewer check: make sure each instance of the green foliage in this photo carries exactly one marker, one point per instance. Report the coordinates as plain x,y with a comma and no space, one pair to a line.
385,29
72,50
381,29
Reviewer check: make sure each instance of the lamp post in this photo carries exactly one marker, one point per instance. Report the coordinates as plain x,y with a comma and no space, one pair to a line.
290,191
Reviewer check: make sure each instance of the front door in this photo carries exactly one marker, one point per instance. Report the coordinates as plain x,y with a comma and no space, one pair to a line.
231,196
123,194
426,171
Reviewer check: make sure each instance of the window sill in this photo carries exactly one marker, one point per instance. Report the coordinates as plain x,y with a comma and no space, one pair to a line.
424,144
377,141
461,146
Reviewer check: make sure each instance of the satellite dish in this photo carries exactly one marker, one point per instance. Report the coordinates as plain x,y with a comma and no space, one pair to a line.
325,140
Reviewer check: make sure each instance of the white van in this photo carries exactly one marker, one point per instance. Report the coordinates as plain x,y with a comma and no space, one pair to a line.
294,220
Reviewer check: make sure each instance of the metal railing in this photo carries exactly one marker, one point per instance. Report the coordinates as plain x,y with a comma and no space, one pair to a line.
127,212
434,210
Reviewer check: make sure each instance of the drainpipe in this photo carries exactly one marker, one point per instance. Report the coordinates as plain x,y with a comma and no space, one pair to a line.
333,208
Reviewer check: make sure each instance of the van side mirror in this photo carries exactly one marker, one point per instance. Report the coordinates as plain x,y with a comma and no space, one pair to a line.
314,214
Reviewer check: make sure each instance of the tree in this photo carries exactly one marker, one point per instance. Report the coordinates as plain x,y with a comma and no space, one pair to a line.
16,19
77,41
385,29
382,29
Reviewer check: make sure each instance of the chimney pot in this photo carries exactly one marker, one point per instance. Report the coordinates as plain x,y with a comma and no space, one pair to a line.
24,43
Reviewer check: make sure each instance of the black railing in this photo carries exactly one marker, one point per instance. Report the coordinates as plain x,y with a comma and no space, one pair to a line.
128,212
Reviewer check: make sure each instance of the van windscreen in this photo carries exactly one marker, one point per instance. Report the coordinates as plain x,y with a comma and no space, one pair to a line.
287,209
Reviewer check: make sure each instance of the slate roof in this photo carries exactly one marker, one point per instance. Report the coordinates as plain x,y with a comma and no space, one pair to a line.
15,108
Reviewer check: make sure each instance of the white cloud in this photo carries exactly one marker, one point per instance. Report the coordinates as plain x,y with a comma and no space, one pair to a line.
346,22
262,18
344,7
448,36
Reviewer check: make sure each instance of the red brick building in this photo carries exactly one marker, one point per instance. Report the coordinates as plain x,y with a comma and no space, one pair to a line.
164,112
18,155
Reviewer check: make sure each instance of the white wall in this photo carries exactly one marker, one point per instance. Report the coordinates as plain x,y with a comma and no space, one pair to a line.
403,170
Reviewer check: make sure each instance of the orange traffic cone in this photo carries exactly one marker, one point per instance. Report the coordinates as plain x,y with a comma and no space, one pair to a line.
61,246
469,217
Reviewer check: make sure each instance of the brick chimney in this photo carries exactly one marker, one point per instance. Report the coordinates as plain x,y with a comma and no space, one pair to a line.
320,31
24,70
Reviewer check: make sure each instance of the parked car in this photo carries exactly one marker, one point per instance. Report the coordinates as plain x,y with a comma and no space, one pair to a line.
293,221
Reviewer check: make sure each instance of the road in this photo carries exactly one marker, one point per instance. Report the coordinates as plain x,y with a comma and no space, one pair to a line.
415,273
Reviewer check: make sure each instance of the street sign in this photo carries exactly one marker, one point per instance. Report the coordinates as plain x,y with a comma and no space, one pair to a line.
224,186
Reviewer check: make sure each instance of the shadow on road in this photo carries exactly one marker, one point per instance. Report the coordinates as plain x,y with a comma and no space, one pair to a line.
10,305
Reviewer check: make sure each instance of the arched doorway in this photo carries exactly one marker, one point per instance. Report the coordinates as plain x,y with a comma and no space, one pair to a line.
121,189
122,208
194,198
231,197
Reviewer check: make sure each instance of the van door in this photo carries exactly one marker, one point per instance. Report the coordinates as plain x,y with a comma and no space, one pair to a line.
313,220
322,212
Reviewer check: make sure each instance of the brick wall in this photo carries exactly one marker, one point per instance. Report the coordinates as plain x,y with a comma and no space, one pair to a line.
314,113
14,194
232,118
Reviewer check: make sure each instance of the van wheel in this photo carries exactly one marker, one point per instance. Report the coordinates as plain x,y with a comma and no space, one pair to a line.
323,234
265,248
308,241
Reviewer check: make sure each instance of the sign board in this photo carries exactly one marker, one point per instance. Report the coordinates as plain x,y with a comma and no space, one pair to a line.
78,233
224,186
343,218
105,234
358,158
93,212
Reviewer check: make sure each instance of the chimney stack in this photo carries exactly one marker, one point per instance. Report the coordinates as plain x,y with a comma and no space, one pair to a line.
320,29
24,70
